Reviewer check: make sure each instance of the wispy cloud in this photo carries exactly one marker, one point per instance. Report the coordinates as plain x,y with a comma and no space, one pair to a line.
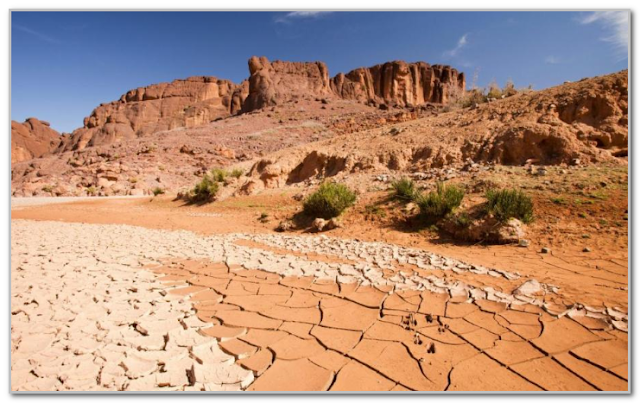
462,42
298,15
616,24
39,35
552,60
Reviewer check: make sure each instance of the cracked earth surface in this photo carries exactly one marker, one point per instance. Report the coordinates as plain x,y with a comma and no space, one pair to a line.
117,307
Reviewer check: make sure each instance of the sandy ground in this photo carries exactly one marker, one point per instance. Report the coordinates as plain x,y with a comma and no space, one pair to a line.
121,307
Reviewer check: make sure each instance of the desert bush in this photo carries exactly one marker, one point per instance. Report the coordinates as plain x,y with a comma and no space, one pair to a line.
472,97
158,191
509,89
91,190
236,173
441,202
205,190
493,90
509,203
329,201
47,188
404,189
218,174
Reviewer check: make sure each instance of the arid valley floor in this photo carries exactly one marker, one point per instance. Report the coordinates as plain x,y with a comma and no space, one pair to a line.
152,294
125,278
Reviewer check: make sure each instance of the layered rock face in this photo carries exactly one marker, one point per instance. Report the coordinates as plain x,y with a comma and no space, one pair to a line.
272,83
182,103
393,83
400,83
32,139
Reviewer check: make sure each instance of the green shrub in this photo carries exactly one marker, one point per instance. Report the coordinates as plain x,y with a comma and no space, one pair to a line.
91,190
47,188
329,201
509,203
158,191
404,189
218,174
462,220
236,173
205,190
442,202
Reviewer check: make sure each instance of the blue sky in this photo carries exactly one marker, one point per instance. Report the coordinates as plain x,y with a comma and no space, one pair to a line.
63,64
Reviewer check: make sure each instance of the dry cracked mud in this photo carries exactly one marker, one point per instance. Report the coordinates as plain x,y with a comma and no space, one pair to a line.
118,307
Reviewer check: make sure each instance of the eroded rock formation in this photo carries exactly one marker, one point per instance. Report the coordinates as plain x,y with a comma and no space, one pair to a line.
190,102
401,83
32,139
393,83
272,83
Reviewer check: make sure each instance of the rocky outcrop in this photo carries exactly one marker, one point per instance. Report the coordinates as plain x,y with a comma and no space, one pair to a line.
272,83
190,102
32,139
400,83
196,101
394,83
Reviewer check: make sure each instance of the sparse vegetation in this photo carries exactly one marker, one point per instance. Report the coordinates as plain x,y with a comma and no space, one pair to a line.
219,174
47,189
205,190
509,203
372,210
558,200
462,220
91,190
236,173
158,191
404,189
329,201
441,202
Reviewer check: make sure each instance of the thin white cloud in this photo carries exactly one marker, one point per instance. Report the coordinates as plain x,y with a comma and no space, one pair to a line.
616,24
297,15
462,42
37,34
552,60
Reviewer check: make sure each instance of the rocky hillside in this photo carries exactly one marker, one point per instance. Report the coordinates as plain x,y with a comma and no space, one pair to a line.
575,123
32,139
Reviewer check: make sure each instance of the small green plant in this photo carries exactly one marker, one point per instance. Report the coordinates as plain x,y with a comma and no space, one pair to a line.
91,190
462,220
509,203
558,200
236,173
47,189
218,174
158,191
205,190
404,189
133,180
329,201
440,203
582,215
